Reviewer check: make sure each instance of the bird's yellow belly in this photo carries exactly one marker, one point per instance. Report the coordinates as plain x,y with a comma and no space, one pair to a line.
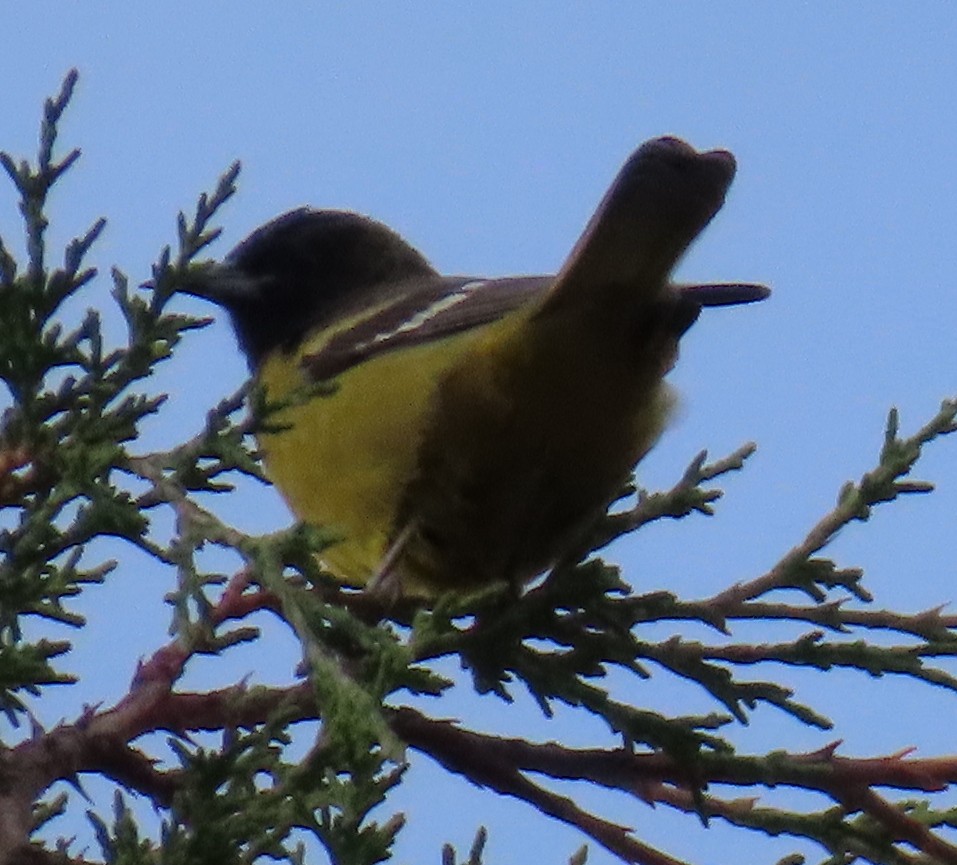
342,462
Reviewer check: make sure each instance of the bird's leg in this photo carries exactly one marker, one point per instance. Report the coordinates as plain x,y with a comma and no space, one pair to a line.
386,582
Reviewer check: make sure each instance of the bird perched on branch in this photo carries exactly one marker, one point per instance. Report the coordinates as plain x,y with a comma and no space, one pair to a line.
476,426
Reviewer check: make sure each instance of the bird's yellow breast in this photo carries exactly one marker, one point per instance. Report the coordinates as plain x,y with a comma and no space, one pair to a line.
343,461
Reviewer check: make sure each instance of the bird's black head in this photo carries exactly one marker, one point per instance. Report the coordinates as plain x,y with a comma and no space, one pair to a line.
300,270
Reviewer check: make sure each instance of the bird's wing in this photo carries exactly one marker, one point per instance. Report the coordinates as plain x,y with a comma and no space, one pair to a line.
444,306
723,293
424,310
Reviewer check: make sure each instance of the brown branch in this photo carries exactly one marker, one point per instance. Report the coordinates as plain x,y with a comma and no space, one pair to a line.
498,763
99,741
12,459
904,828
930,624
465,753
14,486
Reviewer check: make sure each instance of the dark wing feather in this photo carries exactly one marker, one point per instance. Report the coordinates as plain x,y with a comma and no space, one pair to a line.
425,310
724,293
437,308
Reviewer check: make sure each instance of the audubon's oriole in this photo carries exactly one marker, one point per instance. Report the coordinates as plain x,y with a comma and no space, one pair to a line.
476,426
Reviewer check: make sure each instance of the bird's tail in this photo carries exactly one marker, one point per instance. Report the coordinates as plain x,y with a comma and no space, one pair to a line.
662,198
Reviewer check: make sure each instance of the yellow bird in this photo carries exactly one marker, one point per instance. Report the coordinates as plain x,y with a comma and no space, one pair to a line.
476,426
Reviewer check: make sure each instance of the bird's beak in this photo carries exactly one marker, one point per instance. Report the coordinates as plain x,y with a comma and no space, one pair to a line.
220,283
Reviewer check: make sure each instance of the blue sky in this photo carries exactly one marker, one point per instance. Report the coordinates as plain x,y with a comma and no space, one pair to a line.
487,136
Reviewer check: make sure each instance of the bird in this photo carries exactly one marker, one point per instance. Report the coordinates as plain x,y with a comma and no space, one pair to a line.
459,432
